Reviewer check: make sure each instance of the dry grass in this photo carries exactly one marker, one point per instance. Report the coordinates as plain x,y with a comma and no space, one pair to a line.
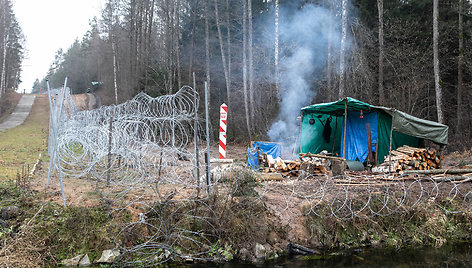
22,145
25,249
8,104
458,159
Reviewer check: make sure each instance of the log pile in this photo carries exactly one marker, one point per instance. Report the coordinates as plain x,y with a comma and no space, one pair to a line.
308,163
411,158
285,167
312,164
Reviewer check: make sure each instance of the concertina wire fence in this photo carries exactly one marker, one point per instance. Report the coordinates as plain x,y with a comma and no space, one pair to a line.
141,155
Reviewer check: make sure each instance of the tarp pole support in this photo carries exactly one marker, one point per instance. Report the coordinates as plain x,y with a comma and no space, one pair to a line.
369,143
299,135
345,124
334,137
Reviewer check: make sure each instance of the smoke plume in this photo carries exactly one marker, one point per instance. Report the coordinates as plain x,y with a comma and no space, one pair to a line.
303,39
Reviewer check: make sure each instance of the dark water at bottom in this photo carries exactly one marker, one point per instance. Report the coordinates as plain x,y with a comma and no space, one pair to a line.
447,256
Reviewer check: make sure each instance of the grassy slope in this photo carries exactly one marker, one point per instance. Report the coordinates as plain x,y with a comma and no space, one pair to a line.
54,233
22,145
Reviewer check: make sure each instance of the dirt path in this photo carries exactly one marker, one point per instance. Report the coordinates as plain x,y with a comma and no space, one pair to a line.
20,113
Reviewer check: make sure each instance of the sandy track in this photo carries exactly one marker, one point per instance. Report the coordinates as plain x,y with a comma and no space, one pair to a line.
20,113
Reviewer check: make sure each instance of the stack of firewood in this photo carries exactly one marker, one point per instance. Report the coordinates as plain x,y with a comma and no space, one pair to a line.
314,164
310,163
286,167
411,158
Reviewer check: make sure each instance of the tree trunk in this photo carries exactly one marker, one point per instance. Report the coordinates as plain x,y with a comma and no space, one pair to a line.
436,63
381,53
115,70
111,37
228,39
170,45
192,42
3,84
342,66
4,71
251,62
139,43
460,63
150,20
223,57
246,104
207,47
132,42
276,48
177,42
329,69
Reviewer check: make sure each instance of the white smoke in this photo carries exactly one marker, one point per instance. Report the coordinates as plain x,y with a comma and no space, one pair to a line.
306,33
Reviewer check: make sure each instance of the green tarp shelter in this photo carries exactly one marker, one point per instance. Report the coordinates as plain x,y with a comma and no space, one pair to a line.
385,124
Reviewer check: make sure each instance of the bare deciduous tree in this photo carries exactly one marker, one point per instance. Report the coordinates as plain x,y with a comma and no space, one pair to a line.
381,53
342,54
437,82
460,63
251,61
246,101
223,58
276,47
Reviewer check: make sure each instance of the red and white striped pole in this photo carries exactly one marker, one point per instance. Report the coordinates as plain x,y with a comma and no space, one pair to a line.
223,117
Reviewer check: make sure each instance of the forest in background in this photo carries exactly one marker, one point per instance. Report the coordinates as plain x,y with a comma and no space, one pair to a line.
11,50
265,56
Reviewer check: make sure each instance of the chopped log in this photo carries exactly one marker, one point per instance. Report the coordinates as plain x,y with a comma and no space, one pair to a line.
280,163
320,156
270,177
440,171
270,161
338,167
312,168
363,184
399,154
410,158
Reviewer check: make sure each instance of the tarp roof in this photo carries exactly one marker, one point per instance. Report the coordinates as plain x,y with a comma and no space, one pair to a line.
401,122
337,107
